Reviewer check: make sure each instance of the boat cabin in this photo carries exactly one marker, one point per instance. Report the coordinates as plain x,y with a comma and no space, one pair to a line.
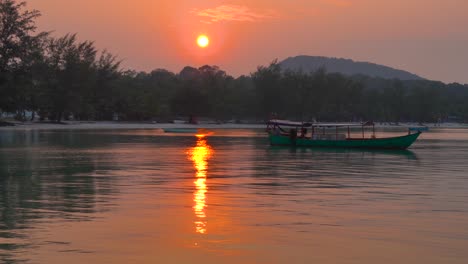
318,131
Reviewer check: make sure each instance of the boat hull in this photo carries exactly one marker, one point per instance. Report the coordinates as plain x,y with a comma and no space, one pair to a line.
402,142
181,130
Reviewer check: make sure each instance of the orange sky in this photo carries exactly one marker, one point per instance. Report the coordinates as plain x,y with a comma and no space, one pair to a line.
426,37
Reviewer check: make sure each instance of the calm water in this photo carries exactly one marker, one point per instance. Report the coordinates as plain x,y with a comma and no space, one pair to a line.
142,196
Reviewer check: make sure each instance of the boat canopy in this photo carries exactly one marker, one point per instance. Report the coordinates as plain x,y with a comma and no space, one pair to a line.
419,129
364,124
278,122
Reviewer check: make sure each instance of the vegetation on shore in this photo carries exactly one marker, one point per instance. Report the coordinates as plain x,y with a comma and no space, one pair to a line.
61,77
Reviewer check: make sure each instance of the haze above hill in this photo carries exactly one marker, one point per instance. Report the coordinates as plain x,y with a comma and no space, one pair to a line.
346,67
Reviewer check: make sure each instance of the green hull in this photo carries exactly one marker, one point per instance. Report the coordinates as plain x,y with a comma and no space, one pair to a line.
180,130
402,142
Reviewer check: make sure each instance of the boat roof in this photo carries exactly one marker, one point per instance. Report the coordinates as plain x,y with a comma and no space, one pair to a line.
279,122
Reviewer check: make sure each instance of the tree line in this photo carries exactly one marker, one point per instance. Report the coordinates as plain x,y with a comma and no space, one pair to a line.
58,78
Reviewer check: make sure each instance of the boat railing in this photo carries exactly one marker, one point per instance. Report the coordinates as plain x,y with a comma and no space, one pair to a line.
319,136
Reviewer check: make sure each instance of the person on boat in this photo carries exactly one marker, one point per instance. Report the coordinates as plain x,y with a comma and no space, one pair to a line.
303,132
277,130
293,136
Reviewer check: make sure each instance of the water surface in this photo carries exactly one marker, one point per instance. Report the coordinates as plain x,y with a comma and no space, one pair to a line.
142,196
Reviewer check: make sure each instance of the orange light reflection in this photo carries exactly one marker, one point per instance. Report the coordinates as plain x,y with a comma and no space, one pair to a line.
200,156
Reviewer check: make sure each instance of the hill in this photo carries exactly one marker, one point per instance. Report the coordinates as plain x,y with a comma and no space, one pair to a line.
346,67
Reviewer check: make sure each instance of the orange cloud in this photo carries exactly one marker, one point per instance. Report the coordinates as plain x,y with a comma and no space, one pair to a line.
231,13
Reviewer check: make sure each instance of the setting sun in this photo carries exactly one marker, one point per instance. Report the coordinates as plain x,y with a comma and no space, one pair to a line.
203,41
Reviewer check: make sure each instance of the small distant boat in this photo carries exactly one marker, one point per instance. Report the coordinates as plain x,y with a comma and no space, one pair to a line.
177,121
421,129
319,138
181,130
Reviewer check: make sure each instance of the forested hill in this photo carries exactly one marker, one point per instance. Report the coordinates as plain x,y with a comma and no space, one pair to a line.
345,66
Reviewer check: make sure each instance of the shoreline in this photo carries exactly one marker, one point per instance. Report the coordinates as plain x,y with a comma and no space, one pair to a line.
147,125
120,125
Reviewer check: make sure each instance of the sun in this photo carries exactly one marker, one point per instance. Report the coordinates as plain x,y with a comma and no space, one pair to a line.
203,41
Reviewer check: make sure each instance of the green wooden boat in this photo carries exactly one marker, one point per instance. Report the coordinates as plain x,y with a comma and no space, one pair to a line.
186,130
318,138
402,142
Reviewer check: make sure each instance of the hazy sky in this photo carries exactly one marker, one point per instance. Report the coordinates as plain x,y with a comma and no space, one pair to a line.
426,37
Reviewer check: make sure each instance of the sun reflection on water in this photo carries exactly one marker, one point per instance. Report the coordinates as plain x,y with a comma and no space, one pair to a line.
200,154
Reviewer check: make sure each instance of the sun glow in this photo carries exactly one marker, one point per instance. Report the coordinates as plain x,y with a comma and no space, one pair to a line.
203,41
